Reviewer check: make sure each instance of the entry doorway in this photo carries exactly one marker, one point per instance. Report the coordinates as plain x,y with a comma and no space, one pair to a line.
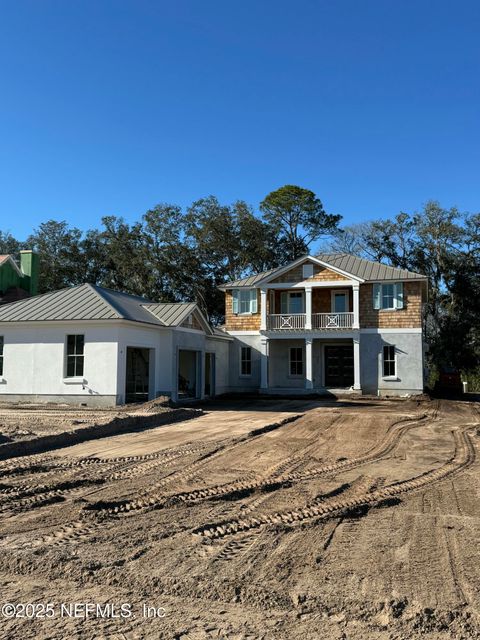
137,375
339,366
209,375
187,374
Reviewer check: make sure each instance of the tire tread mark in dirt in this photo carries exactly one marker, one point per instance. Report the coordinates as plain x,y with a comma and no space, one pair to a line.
464,457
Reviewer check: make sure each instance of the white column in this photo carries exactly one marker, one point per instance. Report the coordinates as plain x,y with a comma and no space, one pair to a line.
264,363
263,309
356,306
356,363
308,307
308,364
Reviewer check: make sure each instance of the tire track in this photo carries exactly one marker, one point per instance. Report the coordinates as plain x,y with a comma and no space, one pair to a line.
464,457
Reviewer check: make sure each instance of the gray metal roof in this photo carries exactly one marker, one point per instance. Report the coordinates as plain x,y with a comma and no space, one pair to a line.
368,270
169,313
91,302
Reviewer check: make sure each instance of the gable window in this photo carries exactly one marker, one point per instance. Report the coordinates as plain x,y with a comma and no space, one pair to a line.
245,361
244,301
2,342
75,357
296,361
388,295
292,302
307,270
389,361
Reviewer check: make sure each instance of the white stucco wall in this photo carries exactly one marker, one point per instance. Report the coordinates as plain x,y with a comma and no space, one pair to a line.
221,348
34,362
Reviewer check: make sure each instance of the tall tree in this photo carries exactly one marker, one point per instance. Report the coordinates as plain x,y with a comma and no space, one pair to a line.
299,219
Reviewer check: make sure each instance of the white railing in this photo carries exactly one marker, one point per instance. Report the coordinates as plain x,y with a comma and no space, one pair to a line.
286,321
332,320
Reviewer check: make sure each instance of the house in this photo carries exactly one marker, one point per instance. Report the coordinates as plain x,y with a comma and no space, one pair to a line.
331,323
18,281
91,345
334,321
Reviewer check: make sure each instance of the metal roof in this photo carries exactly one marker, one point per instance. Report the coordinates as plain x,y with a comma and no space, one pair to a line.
367,270
91,302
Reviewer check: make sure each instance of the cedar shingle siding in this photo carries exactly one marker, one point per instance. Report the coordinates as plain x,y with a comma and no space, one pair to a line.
237,322
408,317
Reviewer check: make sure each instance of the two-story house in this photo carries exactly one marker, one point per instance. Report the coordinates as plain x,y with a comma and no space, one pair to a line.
330,322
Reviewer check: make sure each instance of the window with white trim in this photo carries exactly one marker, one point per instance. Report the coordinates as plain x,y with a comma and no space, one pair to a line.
244,301
388,295
2,342
245,361
292,302
339,301
75,356
296,361
389,361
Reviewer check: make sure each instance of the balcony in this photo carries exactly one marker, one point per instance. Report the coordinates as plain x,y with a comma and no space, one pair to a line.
320,321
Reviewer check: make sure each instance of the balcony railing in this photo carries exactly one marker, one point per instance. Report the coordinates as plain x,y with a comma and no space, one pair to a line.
332,320
287,321
296,321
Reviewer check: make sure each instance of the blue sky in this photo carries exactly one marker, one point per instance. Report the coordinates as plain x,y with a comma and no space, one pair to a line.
108,107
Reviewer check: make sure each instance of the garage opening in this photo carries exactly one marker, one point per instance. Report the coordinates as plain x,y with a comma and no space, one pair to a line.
187,374
137,377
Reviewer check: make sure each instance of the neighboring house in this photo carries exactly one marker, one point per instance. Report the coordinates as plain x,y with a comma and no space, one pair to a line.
18,281
91,345
333,321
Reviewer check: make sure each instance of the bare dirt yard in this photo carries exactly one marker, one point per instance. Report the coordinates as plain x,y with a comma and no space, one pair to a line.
352,520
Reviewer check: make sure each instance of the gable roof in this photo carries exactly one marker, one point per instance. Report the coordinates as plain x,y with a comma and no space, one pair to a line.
91,302
358,268
4,258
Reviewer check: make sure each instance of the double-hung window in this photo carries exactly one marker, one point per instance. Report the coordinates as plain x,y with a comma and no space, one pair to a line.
296,361
388,295
244,301
2,342
389,361
245,361
292,302
75,356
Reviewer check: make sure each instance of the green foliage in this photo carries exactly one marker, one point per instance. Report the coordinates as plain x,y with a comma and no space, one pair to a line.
298,218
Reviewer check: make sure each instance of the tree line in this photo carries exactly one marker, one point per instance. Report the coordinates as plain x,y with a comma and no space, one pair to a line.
173,254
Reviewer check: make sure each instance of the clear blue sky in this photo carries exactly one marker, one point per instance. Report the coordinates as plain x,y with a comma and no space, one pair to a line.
108,107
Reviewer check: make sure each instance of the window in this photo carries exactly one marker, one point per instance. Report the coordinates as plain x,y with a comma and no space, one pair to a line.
296,361
1,354
339,301
307,270
292,302
389,363
245,361
75,346
244,301
388,296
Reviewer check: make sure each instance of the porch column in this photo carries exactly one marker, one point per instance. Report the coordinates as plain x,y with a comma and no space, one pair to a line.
263,310
308,364
264,363
356,306
356,363
308,307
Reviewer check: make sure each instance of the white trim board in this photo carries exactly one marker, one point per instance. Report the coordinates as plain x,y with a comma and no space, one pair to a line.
244,333
304,259
390,330
313,284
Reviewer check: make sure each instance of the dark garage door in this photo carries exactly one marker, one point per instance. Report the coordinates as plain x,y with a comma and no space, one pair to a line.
339,366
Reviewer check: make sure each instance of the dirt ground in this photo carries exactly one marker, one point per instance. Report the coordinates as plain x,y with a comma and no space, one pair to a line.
348,520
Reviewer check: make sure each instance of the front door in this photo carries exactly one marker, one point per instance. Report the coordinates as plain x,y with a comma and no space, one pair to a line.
339,366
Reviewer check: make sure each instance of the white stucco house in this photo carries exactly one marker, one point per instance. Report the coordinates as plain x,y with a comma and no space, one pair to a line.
332,323
90,345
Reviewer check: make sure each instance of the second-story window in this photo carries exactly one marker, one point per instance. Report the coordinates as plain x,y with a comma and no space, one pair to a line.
244,301
388,295
292,302
75,356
